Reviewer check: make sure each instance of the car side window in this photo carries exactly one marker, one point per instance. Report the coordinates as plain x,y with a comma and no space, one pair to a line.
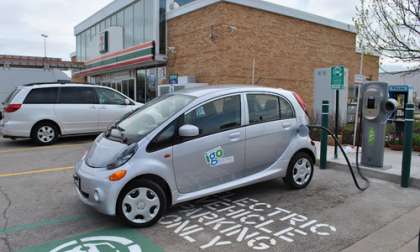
263,108
216,116
42,96
107,96
286,110
77,95
164,139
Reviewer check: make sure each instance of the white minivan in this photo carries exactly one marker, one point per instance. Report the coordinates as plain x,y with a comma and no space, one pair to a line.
44,112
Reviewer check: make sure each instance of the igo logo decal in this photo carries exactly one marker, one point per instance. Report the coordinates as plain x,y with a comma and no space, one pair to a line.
216,157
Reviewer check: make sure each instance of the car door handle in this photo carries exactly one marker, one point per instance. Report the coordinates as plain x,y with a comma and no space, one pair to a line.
235,136
286,125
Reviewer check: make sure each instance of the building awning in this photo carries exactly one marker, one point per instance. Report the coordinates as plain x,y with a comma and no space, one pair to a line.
113,61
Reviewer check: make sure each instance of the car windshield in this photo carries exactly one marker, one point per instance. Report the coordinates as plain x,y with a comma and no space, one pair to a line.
138,124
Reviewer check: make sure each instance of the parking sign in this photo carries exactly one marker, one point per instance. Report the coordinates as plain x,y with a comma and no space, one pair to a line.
337,77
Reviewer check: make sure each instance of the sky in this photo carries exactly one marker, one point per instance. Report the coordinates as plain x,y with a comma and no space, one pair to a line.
23,21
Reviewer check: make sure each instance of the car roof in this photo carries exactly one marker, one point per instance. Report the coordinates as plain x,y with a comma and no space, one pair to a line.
45,85
217,90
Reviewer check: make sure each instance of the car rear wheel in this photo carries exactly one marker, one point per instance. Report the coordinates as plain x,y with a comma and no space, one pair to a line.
141,203
44,133
300,171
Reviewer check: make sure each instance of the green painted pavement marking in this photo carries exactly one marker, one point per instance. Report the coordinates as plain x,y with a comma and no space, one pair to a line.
104,240
31,226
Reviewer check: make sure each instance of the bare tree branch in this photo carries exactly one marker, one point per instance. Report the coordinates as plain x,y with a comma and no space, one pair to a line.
390,28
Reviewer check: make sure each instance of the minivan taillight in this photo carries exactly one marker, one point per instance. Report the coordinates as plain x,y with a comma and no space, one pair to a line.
12,108
301,102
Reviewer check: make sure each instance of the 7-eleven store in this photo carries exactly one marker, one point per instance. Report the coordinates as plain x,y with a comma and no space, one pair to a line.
123,47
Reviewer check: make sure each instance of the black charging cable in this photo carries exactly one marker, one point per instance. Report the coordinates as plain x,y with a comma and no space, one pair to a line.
356,182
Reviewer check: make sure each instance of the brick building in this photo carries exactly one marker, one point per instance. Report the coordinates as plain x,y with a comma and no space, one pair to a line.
219,41
216,41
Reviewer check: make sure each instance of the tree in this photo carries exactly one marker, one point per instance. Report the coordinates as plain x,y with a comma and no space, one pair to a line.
391,28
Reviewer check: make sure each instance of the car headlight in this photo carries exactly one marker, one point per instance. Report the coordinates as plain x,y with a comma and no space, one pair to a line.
123,156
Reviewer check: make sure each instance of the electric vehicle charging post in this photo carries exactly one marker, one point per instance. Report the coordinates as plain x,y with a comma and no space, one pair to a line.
324,135
376,109
408,134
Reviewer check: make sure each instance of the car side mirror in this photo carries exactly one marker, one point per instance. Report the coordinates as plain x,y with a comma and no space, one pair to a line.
127,102
188,130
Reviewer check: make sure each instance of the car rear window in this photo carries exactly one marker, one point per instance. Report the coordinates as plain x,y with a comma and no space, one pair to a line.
77,95
42,96
11,96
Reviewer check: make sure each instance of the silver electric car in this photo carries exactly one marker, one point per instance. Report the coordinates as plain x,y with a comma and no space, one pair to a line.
194,143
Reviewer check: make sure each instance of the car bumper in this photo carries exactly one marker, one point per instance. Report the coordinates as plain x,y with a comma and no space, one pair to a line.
14,129
94,188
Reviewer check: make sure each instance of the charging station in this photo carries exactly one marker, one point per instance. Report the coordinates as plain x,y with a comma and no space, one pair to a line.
376,109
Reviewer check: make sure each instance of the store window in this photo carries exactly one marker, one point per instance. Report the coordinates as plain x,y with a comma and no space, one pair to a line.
162,27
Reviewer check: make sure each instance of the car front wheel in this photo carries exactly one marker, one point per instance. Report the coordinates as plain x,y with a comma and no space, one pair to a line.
300,171
141,203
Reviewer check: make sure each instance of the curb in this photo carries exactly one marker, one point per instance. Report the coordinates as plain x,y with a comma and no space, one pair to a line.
374,173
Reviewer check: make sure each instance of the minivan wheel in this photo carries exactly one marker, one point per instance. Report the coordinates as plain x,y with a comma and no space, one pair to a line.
141,203
44,133
300,171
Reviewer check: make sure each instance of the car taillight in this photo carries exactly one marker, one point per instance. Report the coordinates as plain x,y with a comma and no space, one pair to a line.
300,101
12,108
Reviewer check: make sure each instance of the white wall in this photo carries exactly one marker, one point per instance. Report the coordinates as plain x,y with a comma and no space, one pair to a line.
13,77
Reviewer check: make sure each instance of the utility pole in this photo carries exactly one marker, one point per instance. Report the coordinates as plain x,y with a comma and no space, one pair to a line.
45,36
362,54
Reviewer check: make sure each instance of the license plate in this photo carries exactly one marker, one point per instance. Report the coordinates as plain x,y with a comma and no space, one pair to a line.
76,181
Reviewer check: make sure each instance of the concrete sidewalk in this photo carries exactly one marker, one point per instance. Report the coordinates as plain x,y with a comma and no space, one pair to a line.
392,164
400,235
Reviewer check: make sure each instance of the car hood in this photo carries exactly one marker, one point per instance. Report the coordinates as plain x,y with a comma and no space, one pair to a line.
103,151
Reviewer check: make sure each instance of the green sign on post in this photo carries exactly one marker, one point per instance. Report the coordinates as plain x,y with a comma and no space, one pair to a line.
337,77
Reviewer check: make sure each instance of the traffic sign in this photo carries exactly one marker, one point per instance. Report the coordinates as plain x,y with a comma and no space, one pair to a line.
337,77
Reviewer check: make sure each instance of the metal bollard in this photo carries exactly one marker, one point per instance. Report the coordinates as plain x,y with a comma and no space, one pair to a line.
408,145
324,135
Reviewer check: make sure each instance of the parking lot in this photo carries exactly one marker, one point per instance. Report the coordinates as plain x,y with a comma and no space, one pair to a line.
39,211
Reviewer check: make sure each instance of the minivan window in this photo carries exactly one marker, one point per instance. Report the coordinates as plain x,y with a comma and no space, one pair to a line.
12,95
107,96
42,96
151,116
216,116
77,95
263,108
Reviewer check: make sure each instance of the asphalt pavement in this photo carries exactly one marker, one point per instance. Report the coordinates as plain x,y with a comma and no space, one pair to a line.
39,211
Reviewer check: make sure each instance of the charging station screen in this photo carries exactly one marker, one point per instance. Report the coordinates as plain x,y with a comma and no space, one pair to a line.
371,103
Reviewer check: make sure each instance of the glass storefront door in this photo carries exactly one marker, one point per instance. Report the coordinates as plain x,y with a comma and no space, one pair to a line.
147,82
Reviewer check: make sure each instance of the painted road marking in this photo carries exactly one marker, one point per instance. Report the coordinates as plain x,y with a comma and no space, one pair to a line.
27,149
42,223
112,239
31,172
228,219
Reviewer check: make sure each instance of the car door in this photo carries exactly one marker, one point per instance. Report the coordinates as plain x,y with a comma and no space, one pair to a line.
272,125
76,110
216,156
112,106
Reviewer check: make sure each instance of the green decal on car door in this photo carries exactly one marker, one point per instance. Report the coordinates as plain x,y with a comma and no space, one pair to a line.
216,157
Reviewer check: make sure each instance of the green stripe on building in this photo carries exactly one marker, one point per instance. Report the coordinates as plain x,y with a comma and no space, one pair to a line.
133,55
